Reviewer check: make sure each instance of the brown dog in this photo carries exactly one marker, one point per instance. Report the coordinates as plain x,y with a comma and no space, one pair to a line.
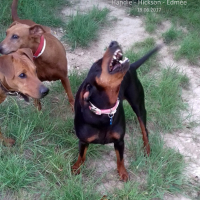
18,76
49,53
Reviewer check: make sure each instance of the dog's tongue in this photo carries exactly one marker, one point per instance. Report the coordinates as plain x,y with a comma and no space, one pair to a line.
24,97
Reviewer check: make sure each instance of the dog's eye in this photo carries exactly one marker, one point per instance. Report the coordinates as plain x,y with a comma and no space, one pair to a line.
15,36
22,75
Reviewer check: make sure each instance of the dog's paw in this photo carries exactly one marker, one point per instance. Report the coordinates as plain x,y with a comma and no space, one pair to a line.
72,106
76,169
147,150
123,175
9,142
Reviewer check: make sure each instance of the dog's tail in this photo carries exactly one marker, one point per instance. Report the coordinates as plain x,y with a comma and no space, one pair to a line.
138,63
14,10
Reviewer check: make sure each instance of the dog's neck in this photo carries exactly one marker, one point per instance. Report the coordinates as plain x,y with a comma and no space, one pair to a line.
39,47
112,94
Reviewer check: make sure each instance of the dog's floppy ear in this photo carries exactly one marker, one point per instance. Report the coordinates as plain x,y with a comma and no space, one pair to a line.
6,66
36,30
26,51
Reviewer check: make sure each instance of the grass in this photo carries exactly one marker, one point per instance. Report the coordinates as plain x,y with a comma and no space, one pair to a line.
152,21
171,35
186,16
83,28
164,173
190,48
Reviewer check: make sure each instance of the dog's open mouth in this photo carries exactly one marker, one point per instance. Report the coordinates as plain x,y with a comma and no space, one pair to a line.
117,62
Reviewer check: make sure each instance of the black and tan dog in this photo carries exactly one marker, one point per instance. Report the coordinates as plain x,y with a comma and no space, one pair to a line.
18,77
99,113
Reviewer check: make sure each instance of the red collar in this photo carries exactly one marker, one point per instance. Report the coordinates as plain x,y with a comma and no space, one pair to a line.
40,48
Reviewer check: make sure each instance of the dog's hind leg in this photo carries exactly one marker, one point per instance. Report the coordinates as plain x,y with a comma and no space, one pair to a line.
6,141
66,84
135,97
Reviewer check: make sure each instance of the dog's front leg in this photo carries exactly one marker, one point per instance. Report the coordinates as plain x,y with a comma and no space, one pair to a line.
37,104
81,158
119,149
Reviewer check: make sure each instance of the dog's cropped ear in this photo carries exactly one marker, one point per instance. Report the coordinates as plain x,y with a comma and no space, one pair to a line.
27,52
6,66
14,23
36,30
86,93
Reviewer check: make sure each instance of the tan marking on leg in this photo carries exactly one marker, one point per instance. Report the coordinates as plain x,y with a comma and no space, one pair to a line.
115,135
121,168
76,167
92,138
144,135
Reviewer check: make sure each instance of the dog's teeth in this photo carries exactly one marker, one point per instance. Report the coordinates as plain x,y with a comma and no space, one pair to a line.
117,51
125,59
120,61
115,57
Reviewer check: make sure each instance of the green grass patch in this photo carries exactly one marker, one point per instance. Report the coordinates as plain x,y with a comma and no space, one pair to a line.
16,173
171,35
42,12
83,28
152,20
190,48
164,102
154,176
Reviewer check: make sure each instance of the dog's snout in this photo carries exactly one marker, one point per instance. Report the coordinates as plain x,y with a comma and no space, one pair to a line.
43,91
113,44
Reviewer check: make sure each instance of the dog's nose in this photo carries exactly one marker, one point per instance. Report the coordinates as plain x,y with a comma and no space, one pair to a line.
113,44
1,49
43,91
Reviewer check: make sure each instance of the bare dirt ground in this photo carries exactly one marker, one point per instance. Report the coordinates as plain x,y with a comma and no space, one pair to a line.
128,30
